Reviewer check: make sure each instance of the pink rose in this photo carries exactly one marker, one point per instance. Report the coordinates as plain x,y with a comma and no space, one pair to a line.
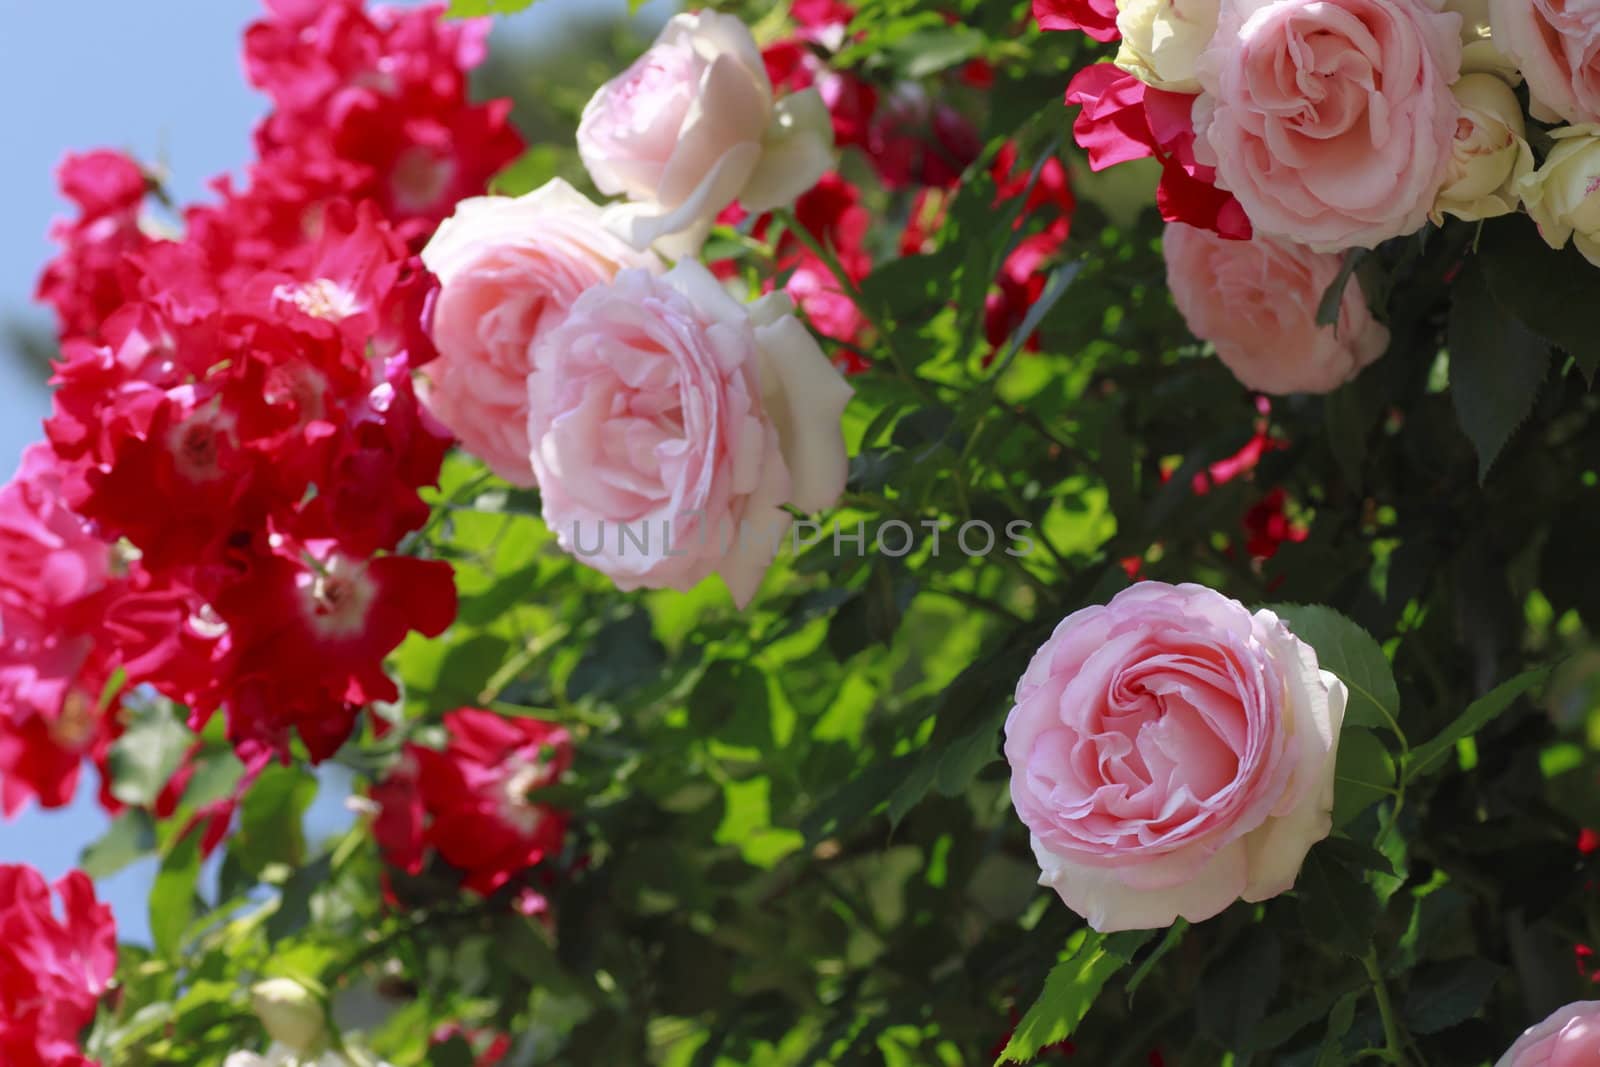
1556,46
508,270
1332,121
670,424
1172,753
1569,1038
1256,301
693,126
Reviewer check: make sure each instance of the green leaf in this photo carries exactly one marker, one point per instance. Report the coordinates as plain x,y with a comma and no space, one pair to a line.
1234,992
270,818
1279,1027
1333,296
1347,418
1480,713
144,757
1542,286
1173,936
172,898
1337,907
131,836
1339,1022
467,9
1365,775
294,902
1069,992
453,1053
1350,653
1445,994
622,656
1496,367
1061,280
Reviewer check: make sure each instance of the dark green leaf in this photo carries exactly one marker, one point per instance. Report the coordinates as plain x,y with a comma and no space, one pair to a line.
1480,713
1236,990
294,901
1337,907
1347,419
622,656
1365,775
1444,994
1496,367
1333,297
1542,286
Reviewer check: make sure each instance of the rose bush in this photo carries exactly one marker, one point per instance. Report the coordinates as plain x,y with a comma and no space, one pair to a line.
1145,452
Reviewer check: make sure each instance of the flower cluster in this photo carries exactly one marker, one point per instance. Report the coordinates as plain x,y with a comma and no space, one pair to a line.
236,448
1300,129
660,418
54,969
472,802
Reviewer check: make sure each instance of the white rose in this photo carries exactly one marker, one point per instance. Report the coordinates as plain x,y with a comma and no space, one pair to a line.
1162,39
1490,155
291,1014
1563,195
692,126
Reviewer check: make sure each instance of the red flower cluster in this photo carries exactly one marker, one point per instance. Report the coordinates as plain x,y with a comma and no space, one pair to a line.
471,802
72,613
1267,526
1022,277
235,410
52,970
1122,119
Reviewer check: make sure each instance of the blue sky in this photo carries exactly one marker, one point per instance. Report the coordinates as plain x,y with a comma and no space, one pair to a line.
165,83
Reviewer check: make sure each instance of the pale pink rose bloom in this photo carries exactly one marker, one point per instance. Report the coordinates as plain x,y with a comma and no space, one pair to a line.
1556,46
693,126
508,270
1256,301
1172,753
1332,121
1569,1038
671,423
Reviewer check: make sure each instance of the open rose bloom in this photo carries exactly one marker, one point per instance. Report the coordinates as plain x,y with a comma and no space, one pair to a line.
1172,753
1331,120
670,425
693,126
1256,301
1568,1038
508,270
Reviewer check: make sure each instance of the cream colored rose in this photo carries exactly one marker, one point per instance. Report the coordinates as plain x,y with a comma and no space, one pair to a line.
1479,54
693,126
1563,196
1490,155
1162,39
291,1014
